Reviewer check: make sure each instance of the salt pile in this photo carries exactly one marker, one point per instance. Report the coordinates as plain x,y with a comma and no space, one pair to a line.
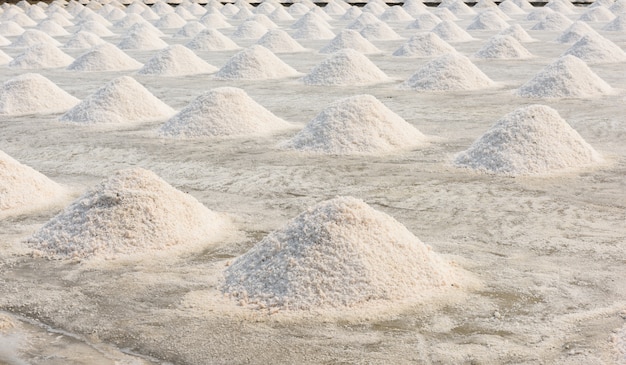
597,14
313,30
450,72
281,15
362,21
379,32
457,7
594,48
5,58
488,20
129,21
445,14
424,45
569,76
97,29
104,57
395,14
255,63
516,31
345,68
426,21
561,7
170,21
10,29
122,101
265,8
298,9
414,7
450,32
375,8
523,4
279,41
338,253
215,21
503,47
617,25
162,8
263,20
33,37
4,41
575,32
530,140
23,188
349,38
553,21
335,9
211,40
243,13
52,29
190,30
33,94
42,55
352,14
510,8
250,30
142,38
130,212
176,60
23,20
356,125
310,18
539,14
225,111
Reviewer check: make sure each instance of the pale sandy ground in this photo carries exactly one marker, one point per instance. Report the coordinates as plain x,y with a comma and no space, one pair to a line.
549,252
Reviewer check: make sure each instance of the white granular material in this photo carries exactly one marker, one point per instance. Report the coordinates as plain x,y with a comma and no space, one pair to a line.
617,25
225,111
190,30
457,7
313,30
568,76
83,40
619,339
281,15
539,14
488,20
97,29
553,21
450,72
575,32
32,93
338,253
445,14
425,21
424,45
597,14
362,21
33,37
250,30
104,57
255,63
450,32
310,18
510,8
344,68
530,140
352,14
516,31
11,29
279,41
356,125
379,32
594,48
211,40
176,60
142,39
263,20
414,7
129,21
132,211
122,101
215,21
42,55
5,58
395,14
352,39
503,47
52,29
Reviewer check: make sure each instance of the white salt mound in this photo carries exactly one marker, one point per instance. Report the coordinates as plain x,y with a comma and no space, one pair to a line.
42,55
503,47
225,111
33,94
5,58
52,29
10,29
450,32
97,29
553,21
395,14
450,72
190,30
142,38
83,40
424,45
211,40
575,32
356,125
352,39
425,21
170,21
250,30
597,14
594,48
122,101
33,37
132,211
344,68
617,25
568,76
255,63
516,31
215,21
530,140
104,57
362,21
313,30
176,60
488,20
339,253
279,41
379,32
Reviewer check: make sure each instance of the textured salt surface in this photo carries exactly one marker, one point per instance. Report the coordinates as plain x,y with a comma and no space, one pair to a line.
33,94
255,63
279,41
83,40
211,40
176,60
41,55
594,48
450,32
349,38
503,47
104,57
142,39
32,37
575,32
424,45
343,68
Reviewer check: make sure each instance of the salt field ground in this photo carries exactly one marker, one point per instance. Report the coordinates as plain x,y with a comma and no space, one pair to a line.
536,262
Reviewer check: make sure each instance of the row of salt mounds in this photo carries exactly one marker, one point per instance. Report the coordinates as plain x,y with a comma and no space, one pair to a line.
23,188
424,45
594,48
345,68
568,76
211,40
33,37
255,63
502,47
33,94
176,60
42,55
339,253
122,101
530,140
352,39
356,125
131,212
279,41
450,72
104,57
225,111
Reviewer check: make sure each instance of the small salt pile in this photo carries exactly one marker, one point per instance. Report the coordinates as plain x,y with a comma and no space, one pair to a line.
10,29
184,13
362,21
597,14
516,31
129,21
488,20
349,38
97,29
414,7
32,93
617,25
298,9
22,20
539,14
530,140
457,7
42,55
510,8
485,4
356,125
215,21
265,8
176,60
395,14
122,101
243,13
313,30
190,30
502,47
310,18
352,14
335,9
83,40
142,38
445,14
281,15
170,21
36,13
338,253
263,20
568,76
346,67
279,41
211,40
225,111
450,72
250,30
133,211
375,8
594,48
575,32
5,58
162,8
450,32
104,57
379,32
61,20
564,7
255,63
424,45
32,37
553,21
52,29
425,21
4,41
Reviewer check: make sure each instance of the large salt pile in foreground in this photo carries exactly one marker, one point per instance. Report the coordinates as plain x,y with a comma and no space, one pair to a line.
211,40
424,45
176,60
349,38
568,76
225,111
503,47
42,55
594,48
33,94
450,72
339,253
344,68
104,57
130,212
255,63
530,140
356,125
122,101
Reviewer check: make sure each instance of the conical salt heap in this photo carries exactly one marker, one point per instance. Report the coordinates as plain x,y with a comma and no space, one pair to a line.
33,37
190,30
33,94
224,111
255,63
338,253
568,76
425,21
313,30
424,45
553,21
575,32
104,57
142,38
362,21
122,101
170,21
97,29
516,31
23,188
356,125
42,55
345,68
83,40
450,72
279,41
211,40
457,7
349,38
176,60
11,29
530,140
597,14
250,30
52,29
488,20
503,47
450,32
445,14
5,58
281,15
132,211
617,25
510,8
215,21
379,32
395,14
594,48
